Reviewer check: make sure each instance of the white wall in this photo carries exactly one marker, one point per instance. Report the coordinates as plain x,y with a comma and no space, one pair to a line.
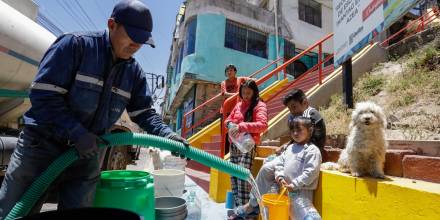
238,11
305,34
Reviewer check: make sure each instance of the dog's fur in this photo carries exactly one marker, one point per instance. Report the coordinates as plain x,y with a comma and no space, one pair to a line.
366,145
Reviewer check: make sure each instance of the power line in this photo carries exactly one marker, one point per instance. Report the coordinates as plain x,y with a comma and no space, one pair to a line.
98,6
50,17
71,7
46,23
85,13
71,15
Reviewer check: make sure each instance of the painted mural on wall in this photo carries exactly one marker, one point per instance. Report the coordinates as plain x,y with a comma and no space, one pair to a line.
356,22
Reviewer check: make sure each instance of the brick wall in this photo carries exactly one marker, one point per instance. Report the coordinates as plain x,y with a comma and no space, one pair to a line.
203,93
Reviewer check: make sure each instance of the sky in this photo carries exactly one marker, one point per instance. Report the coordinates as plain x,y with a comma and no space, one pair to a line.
69,16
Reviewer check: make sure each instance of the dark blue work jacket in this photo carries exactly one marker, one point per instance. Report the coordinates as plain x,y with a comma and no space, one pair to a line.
78,88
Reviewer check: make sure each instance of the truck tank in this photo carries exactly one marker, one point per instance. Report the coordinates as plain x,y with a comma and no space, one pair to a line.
23,43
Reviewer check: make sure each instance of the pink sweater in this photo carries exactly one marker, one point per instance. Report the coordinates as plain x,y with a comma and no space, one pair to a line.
258,124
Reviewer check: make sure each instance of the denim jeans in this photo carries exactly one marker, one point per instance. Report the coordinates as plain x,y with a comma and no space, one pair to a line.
33,154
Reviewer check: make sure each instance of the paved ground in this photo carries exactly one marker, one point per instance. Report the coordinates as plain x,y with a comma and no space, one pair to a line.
210,209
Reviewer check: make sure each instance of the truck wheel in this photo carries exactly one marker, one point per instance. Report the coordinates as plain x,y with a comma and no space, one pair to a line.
117,158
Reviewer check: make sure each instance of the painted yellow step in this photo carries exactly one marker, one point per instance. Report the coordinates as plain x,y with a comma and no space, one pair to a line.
265,151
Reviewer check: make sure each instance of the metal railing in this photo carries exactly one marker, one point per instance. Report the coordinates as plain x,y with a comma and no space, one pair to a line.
422,21
231,100
211,114
303,76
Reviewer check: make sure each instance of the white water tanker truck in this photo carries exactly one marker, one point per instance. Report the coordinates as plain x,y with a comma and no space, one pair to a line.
23,43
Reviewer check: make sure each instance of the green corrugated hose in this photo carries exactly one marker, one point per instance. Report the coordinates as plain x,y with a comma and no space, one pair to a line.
40,185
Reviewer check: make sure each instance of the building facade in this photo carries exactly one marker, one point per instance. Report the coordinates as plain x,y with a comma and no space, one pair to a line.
209,34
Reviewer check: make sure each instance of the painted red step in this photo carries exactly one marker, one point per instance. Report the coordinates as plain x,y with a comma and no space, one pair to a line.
198,166
393,161
276,108
211,145
213,152
331,154
421,168
275,104
216,138
277,100
200,178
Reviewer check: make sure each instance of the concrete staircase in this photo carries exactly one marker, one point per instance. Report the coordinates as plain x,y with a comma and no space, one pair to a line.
200,173
275,103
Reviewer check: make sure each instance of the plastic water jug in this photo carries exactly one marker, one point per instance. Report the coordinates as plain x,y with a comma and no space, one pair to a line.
129,190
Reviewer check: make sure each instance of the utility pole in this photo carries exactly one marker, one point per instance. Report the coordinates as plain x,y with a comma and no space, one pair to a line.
347,87
157,81
276,33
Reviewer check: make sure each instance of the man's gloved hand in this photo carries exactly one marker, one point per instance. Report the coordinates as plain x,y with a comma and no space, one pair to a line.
180,139
87,145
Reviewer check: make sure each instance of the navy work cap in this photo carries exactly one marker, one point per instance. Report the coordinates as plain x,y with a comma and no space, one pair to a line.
136,19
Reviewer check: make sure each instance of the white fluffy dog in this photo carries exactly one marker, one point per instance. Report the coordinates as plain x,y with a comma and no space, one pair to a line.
366,145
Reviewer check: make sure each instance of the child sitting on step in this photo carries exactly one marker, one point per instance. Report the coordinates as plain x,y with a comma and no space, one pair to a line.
297,169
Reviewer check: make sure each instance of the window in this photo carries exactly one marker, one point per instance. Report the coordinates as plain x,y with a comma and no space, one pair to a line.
310,12
257,44
179,63
179,118
330,61
190,38
245,40
301,65
170,75
310,59
289,53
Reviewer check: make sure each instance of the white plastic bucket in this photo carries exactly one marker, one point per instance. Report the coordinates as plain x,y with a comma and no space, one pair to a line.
176,163
168,182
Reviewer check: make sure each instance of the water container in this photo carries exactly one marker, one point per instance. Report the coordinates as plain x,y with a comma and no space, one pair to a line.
194,207
84,213
170,208
243,141
229,204
175,163
276,209
129,190
169,182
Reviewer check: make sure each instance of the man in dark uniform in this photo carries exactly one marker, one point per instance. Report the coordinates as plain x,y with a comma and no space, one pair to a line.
84,83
